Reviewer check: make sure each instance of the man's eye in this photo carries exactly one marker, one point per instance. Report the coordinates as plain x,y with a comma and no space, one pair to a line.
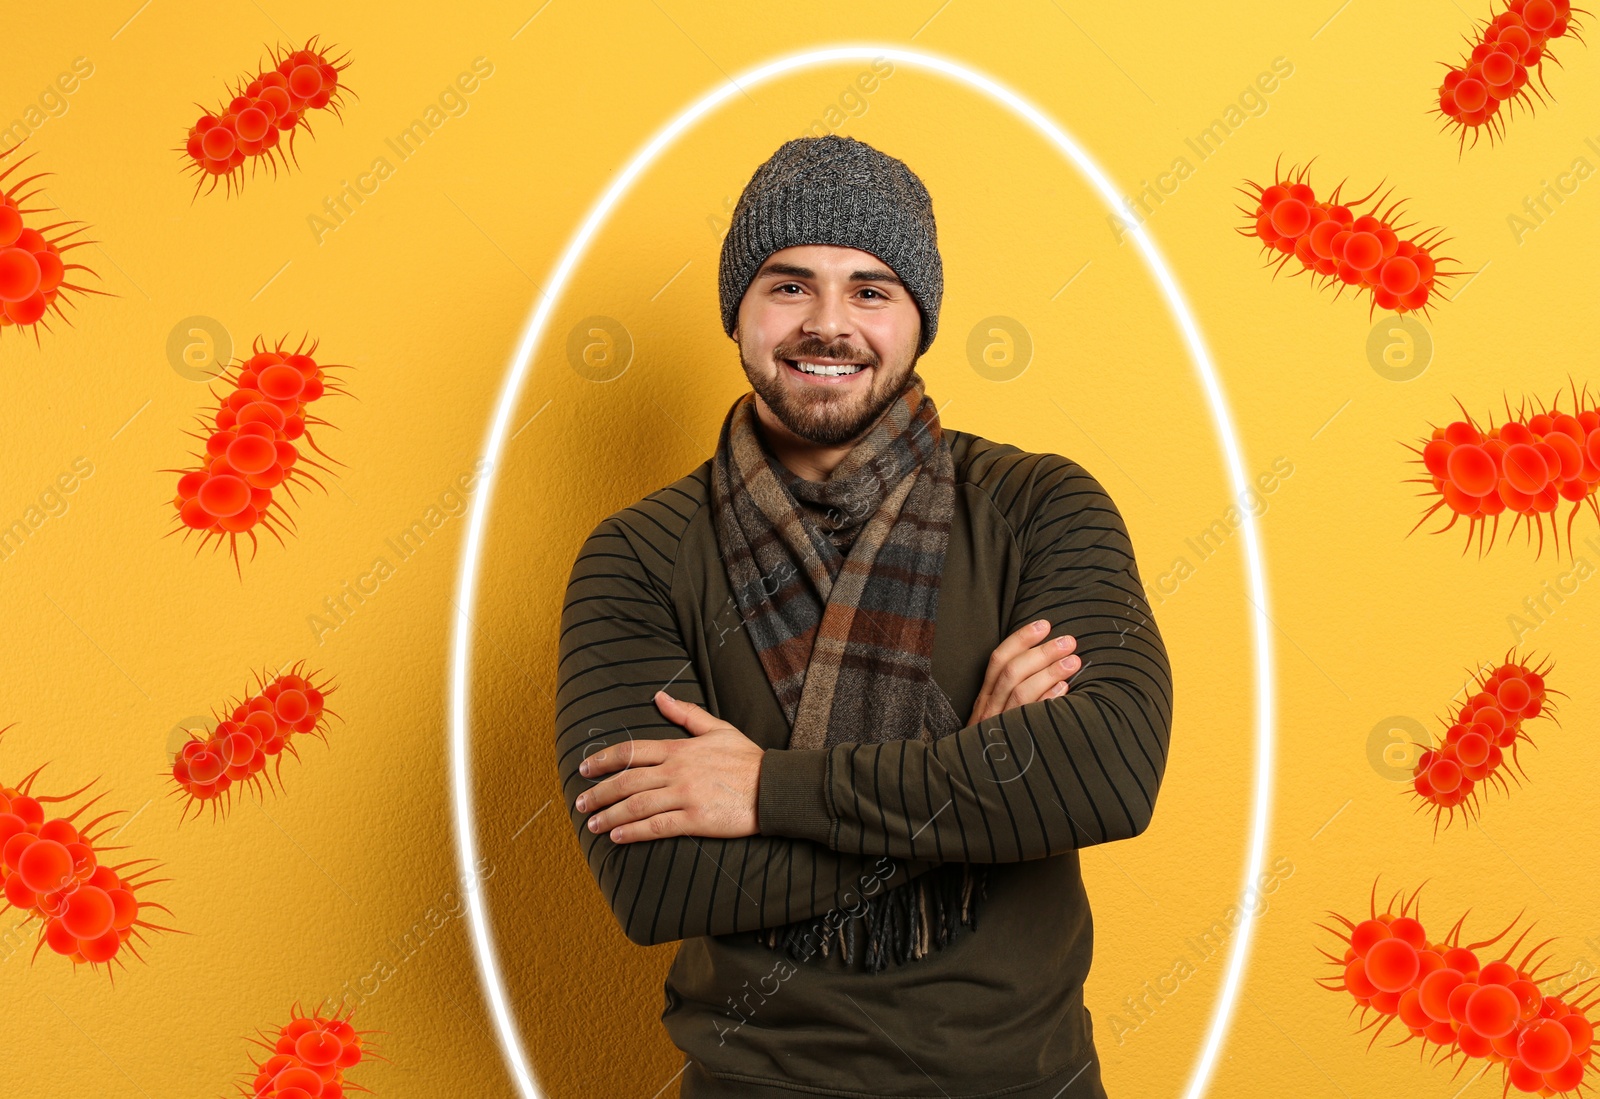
872,291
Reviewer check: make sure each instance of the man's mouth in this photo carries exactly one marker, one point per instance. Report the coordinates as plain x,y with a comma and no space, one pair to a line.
825,370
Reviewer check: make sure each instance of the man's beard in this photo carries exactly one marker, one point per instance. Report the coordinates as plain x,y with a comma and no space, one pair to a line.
826,419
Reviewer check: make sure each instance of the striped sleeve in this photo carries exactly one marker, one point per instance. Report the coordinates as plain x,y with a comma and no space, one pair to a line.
1038,779
619,645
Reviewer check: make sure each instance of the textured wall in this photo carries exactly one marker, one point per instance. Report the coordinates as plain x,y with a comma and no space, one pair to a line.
422,283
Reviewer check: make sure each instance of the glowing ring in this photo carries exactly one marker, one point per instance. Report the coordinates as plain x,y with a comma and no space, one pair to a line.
467,580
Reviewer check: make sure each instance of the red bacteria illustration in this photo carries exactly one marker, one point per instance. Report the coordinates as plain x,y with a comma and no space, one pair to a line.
1496,73
33,274
1483,730
1527,465
260,110
308,1057
1460,1005
260,728
1338,245
52,868
250,448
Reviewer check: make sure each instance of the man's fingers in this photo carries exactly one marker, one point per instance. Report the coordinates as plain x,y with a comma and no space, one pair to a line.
631,753
660,826
1024,666
619,786
1016,644
691,717
638,807
1019,656
1048,682
1009,647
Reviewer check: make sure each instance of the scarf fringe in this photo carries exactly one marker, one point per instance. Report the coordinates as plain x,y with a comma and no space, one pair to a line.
896,925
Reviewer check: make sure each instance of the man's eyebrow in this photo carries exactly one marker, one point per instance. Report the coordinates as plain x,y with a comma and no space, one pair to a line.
795,271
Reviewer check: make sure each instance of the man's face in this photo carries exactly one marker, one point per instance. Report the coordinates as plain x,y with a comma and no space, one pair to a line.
825,304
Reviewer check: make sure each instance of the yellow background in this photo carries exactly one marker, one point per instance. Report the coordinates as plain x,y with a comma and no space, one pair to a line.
118,634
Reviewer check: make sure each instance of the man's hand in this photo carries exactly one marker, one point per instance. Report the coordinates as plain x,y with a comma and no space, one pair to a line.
704,785
1023,670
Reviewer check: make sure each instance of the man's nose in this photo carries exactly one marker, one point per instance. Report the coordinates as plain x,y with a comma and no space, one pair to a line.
829,320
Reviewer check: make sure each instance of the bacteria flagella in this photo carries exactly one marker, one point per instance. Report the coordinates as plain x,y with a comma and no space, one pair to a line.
1484,728
1526,465
1495,72
33,272
259,728
1464,1008
308,1057
1336,245
250,448
52,869
250,124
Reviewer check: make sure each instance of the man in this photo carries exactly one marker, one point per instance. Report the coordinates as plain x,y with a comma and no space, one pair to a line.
854,682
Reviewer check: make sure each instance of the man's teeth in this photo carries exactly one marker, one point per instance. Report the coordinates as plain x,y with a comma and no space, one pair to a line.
828,370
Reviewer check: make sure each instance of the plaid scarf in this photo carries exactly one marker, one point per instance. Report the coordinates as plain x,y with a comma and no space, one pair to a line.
846,638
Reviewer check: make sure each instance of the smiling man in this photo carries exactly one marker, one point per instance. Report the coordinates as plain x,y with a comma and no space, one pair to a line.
854,682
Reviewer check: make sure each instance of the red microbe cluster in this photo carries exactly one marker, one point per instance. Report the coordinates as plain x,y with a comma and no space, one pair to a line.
250,447
50,868
32,272
1496,71
260,728
1487,724
1526,466
261,109
1336,245
308,1059
1462,1006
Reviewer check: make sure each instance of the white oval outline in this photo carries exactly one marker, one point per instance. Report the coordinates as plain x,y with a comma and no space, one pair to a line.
466,586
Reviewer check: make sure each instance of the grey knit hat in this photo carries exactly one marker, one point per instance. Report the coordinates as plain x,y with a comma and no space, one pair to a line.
834,190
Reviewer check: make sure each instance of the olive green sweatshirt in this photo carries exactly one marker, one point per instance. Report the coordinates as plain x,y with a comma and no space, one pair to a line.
999,1010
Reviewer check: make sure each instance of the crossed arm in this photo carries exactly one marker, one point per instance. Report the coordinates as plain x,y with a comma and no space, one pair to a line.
1042,778
1056,772
707,785
619,643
